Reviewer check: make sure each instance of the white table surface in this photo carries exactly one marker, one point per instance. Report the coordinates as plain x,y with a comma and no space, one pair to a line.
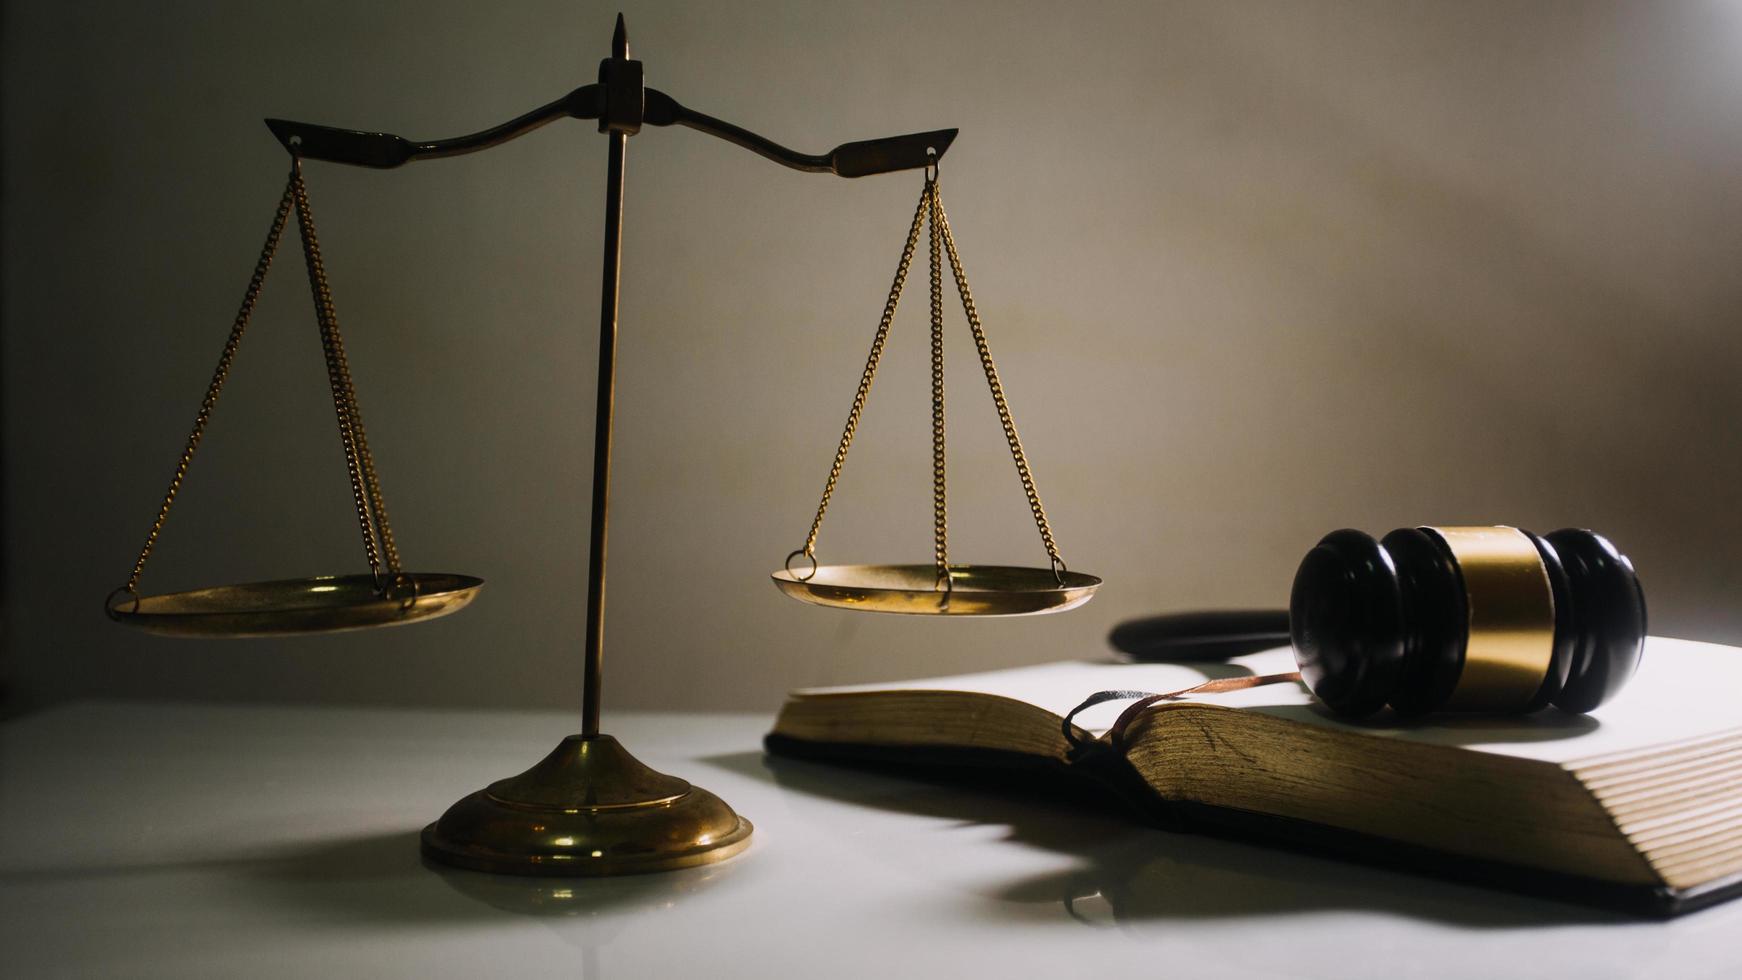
144,840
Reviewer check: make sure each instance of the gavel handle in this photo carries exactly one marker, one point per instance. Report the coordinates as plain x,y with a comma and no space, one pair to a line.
1197,636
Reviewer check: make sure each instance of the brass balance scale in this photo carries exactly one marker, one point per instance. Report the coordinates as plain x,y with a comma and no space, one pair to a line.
589,807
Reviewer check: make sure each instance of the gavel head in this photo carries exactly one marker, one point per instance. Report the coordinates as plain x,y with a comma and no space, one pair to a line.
1465,619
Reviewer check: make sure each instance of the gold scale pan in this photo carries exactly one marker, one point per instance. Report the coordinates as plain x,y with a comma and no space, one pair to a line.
940,588
388,596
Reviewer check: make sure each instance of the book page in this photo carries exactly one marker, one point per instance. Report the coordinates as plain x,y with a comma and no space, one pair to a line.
1684,690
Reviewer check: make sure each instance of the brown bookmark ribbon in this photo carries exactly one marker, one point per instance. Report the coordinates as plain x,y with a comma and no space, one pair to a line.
1116,735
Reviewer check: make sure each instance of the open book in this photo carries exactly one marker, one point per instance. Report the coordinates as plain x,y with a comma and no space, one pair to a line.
1637,805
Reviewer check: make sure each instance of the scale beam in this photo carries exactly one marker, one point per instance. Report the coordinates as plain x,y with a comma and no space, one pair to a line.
860,159
384,151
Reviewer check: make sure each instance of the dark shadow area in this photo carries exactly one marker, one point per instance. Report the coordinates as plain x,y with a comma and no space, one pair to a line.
1129,871
383,879
1200,635
1448,728
364,880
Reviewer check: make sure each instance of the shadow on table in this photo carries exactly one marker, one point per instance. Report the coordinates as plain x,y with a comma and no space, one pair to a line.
1127,872
1455,729
373,879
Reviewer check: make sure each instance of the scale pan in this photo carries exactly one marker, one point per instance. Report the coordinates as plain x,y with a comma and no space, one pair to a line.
975,590
325,604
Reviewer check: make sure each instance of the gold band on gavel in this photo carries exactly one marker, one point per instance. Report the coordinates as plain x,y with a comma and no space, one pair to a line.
1511,605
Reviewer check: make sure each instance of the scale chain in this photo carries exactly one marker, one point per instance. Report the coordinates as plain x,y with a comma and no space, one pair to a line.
1009,424
865,379
939,495
220,375
376,531
931,211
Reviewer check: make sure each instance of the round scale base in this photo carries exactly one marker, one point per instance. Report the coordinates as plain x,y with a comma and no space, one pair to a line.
589,808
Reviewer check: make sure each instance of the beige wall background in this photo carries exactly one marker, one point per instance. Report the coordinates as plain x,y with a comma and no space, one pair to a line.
1252,272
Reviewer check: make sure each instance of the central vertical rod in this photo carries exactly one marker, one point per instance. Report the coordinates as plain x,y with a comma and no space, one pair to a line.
611,286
